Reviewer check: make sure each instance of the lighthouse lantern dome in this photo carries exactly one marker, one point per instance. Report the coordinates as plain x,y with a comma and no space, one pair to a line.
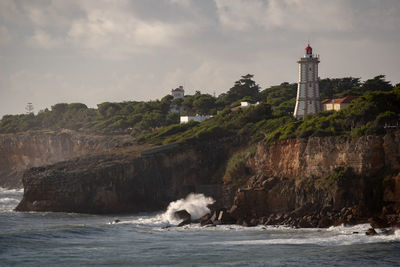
308,50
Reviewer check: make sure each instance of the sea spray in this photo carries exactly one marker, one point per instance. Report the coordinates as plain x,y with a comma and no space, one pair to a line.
195,204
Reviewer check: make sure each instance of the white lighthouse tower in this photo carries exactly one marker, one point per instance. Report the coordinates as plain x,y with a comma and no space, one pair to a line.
307,100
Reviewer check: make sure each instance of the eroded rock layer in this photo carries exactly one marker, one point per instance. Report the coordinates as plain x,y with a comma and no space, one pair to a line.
302,182
21,151
320,181
113,183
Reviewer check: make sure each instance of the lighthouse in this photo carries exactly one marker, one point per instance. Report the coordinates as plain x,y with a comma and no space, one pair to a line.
307,100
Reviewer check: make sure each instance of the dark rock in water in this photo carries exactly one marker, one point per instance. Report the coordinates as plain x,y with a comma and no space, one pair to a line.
182,215
217,222
225,217
324,222
371,231
247,223
377,222
355,232
196,221
253,222
185,222
117,221
214,217
389,231
206,220
234,212
303,223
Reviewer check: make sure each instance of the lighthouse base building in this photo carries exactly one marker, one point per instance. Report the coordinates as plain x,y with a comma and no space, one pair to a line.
307,100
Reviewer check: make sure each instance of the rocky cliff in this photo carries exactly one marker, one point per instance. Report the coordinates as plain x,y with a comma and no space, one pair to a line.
29,149
304,182
122,182
320,181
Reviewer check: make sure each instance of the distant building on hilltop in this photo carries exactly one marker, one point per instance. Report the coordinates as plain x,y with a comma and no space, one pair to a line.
199,118
337,104
244,105
178,92
307,100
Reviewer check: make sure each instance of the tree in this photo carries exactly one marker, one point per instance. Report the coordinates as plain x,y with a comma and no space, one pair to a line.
242,88
378,83
202,104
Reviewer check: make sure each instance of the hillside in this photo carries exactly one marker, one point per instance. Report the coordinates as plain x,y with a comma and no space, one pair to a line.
141,118
259,163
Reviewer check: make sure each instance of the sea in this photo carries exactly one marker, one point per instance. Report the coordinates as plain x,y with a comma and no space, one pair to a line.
152,239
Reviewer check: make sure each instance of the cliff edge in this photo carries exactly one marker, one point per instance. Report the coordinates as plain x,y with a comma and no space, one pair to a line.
122,182
319,181
22,151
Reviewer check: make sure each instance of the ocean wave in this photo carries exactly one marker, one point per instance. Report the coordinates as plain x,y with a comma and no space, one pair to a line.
334,236
9,198
6,191
195,204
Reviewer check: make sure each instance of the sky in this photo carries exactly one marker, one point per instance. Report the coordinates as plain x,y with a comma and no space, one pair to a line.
92,51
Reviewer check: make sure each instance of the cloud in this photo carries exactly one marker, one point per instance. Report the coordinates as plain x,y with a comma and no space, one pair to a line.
42,39
5,36
300,15
102,50
116,32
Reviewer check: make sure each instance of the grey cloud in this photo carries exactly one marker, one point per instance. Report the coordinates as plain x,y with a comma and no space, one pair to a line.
97,50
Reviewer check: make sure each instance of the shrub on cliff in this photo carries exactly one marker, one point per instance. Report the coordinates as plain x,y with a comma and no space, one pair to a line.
367,115
236,171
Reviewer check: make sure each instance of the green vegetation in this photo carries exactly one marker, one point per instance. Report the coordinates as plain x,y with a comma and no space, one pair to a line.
237,163
152,122
367,115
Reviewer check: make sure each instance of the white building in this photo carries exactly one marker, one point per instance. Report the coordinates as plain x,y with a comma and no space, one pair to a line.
178,92
244,105
307,100
199,118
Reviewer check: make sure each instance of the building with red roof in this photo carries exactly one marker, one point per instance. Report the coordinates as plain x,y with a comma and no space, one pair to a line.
338,103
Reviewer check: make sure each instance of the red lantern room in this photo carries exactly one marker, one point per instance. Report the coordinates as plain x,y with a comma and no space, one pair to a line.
308,50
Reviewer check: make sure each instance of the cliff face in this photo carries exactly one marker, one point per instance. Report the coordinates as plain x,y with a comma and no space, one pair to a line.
113,183
318,174
310,182
25,150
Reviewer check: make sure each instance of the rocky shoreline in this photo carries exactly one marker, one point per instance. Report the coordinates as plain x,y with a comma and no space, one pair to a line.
314,182
325,219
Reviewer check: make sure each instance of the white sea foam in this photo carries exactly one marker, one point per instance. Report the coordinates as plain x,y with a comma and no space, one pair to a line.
195,204
9,198
5,190
333,236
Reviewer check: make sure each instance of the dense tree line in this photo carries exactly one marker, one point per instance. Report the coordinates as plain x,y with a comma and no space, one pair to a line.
153,120
379,104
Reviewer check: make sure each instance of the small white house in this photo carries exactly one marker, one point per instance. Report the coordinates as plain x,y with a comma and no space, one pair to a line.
244,105
199,118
